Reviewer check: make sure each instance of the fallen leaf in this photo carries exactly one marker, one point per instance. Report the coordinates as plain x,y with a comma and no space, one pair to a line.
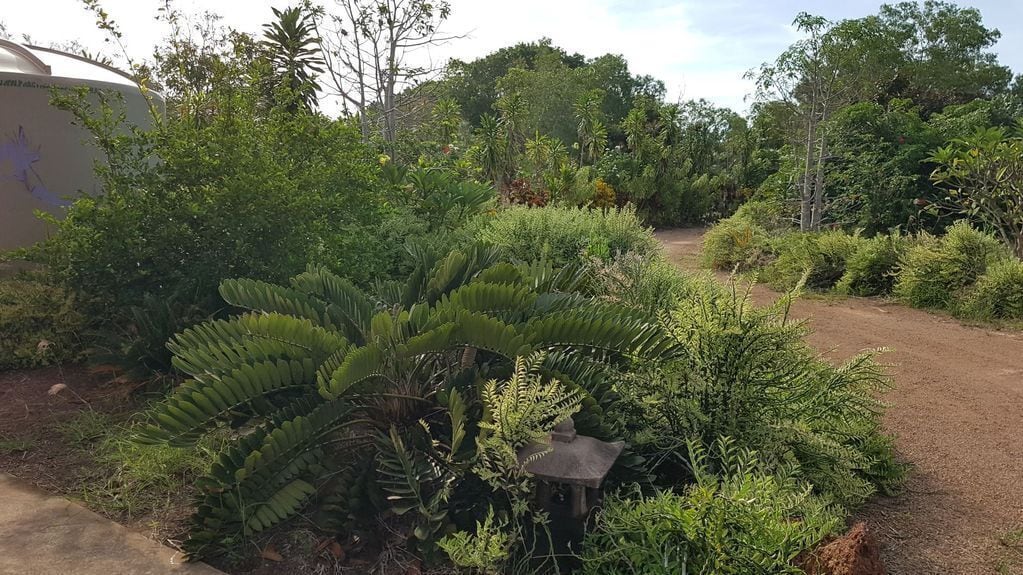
336,550
270,553
323,544
56,388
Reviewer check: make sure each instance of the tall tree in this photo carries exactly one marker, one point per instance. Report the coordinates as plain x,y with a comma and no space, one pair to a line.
945,54
373,50
832,66
474,84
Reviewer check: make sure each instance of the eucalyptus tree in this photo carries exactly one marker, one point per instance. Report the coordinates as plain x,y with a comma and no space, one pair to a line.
944,54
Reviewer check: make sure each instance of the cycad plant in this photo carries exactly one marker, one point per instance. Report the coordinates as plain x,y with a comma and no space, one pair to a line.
370,404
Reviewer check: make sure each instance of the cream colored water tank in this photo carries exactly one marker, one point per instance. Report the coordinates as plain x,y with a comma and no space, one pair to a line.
45,160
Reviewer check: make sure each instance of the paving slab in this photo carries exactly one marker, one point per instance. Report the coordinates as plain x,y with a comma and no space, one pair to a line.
41,534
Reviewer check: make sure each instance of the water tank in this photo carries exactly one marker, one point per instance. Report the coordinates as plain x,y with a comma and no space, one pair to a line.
45,160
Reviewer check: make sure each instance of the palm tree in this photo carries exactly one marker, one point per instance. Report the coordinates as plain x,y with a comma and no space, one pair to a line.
447,114
492,152
293,51
591,130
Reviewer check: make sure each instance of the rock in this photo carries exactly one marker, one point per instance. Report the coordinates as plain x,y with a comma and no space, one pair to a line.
855,553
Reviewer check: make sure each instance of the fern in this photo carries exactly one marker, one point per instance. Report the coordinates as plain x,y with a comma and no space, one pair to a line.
525,408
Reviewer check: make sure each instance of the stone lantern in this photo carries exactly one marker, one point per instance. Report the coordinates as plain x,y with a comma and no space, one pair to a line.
577,462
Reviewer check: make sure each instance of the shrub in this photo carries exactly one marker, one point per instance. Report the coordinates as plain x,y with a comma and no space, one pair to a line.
749,375
563,234
936,272
39,323
603,196
743,519
231,185
998,294
820,256
769,215
735,243
246,195
872,269
645,282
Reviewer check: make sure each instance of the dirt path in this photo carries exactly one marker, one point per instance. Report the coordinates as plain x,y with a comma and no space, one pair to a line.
957,414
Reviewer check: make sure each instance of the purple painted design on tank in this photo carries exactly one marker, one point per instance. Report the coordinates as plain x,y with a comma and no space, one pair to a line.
19,151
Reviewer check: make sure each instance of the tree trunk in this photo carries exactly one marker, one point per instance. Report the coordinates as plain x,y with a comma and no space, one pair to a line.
468,357
806,194
818,188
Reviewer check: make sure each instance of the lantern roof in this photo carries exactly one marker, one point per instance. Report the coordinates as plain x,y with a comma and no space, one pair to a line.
570,458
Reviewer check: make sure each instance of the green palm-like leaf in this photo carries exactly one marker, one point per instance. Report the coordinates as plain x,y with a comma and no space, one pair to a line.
505,301
413,482
218,347
282,505
609,333
362,365
197,406
270,298
262,479
347,304
487,333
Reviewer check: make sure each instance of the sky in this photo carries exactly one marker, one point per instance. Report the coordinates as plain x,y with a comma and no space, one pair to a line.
699,48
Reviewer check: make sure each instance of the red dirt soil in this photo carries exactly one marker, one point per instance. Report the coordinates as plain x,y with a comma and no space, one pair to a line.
956,412
855,553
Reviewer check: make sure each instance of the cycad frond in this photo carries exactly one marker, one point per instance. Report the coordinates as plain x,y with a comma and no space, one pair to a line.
347,304
219,347
271,298
197,406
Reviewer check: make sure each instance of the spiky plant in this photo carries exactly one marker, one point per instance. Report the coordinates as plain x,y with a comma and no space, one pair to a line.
336,392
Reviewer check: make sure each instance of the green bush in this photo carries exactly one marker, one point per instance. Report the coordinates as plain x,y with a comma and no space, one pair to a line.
820,256
248,193
749,375
935,273
769,215
735,243
998,294
742,519
564,234
645,282
872,269
39,323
